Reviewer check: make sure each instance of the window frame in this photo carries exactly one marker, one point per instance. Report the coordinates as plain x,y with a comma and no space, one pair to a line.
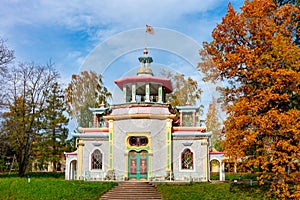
91,162
193,161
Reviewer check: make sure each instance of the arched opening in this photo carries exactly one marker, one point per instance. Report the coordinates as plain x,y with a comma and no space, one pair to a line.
215,168
72,170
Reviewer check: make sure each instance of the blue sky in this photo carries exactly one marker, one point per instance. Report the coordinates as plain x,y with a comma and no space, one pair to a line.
108,35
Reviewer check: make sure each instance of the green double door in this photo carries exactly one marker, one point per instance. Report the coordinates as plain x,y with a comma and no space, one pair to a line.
138,165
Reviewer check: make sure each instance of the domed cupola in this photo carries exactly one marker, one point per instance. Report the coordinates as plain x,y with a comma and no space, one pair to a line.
145,69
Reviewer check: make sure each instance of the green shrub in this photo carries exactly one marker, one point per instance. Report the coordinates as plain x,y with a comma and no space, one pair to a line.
240,176
35,175
233,176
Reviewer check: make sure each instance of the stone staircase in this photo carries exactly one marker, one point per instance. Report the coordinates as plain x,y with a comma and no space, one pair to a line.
132,190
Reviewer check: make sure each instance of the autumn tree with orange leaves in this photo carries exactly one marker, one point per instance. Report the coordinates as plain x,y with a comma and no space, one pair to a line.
254,52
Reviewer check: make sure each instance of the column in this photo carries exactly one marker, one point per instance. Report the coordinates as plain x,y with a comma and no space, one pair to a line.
80,152
207,170
147,92
69,169
124,93
95,120
160,93
133,93
194,118
180,120
222,171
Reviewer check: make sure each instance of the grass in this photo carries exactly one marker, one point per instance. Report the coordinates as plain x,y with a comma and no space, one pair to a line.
211,191
51,188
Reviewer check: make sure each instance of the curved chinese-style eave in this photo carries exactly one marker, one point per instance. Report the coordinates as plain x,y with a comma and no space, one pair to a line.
139,116
93,130
147,79
70,153
216,153
191,134
142,104
90,135
188,108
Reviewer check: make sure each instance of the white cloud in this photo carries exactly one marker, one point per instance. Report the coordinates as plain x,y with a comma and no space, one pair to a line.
80,15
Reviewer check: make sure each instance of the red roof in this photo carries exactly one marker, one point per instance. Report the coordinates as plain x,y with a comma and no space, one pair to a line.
216,152
146,79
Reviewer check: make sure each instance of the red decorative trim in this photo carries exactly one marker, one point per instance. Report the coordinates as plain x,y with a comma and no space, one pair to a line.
189,129
150,79
70,154
94,130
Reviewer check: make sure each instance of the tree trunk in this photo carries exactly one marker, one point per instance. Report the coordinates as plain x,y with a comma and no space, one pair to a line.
54,166
22,168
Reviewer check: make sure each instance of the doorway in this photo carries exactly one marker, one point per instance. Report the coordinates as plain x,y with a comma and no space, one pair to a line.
72,170
138,165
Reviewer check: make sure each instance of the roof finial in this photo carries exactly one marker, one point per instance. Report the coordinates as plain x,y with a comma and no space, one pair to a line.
145,51
145,61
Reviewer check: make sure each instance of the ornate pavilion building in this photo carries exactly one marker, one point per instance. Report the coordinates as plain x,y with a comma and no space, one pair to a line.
144,138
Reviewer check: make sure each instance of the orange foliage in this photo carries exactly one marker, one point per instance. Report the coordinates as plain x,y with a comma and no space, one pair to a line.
254,52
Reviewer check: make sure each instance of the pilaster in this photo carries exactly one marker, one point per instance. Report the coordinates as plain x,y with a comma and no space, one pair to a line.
80,152
111,145
169,145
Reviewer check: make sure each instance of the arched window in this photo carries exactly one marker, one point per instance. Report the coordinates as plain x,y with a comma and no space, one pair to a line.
187,159
96,160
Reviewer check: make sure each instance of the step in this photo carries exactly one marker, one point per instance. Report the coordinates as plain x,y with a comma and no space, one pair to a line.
131,196
134,198
132,190
124,193
132,193
126,197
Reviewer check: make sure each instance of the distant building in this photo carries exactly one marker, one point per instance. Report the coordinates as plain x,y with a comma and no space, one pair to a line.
144,138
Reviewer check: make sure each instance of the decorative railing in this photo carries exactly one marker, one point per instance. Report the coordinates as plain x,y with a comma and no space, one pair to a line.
178,177
94,176
101,176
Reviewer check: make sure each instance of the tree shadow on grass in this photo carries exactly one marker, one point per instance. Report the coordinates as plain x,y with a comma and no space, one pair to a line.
250,187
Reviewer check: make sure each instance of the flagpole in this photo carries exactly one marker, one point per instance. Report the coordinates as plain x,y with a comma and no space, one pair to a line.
150,30
145,40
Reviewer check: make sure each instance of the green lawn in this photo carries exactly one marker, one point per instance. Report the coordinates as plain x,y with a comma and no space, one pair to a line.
212,191
51,188
57,188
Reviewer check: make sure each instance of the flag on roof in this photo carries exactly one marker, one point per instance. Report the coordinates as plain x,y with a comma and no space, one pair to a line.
149,29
